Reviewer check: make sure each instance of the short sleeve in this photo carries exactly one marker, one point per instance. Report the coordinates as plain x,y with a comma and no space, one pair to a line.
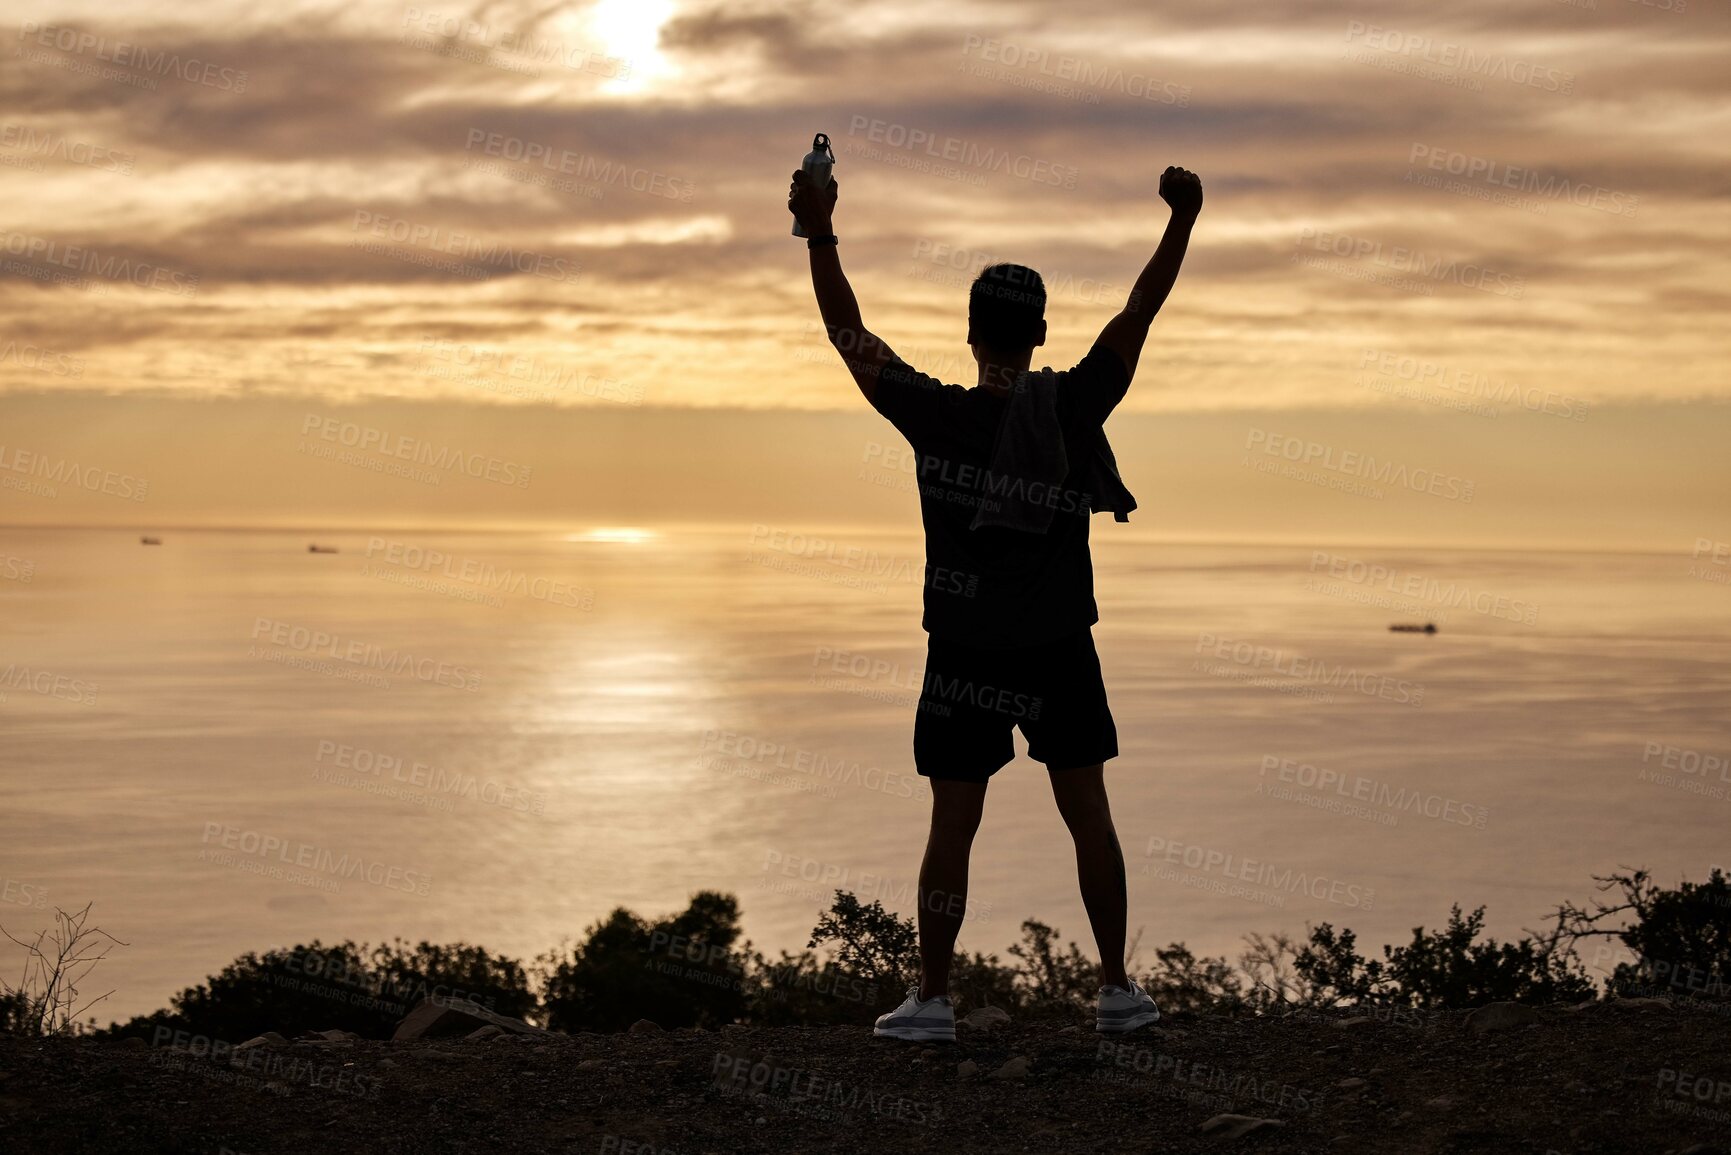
1095,386
912,401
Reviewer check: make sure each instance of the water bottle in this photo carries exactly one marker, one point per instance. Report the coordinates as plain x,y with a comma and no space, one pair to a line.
817,164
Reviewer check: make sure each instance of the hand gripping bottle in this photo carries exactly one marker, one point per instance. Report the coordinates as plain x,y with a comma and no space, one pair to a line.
817,164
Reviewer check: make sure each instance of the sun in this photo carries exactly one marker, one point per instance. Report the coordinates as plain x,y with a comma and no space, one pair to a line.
630,30
625,534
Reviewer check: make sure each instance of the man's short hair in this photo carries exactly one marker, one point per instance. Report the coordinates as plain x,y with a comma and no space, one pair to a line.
1005,306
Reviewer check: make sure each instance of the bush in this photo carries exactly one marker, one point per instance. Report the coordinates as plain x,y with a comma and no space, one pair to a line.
57,959
1052,980
980,980
871,943
1682,941
1681,938
880,950
456,970
682,971
803,989
1445,969
693,969
15,1016
313,987
1179,981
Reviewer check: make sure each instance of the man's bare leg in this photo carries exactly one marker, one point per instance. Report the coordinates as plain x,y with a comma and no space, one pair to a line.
1081,796
956,810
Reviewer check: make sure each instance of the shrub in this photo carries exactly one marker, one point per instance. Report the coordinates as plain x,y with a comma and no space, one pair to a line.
1052,979
807,990
456,970
313,987
1681,938
57,959
1179,981
693,969
15,1016
871,942
681,971
1445,969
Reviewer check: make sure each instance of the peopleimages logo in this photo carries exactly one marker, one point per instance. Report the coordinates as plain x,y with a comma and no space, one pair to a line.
319,643
83,261
39,144
582,166
412,560
370,439
1364,466
1546,186
1044,65
1356,788
47,683
1255,872
1310,670
307,856
38,359
347,765
23,893
752,750
46,472
955,150
1470,384
1460,58
125,54
1406,261
1420,588
468,39
965,483
441,241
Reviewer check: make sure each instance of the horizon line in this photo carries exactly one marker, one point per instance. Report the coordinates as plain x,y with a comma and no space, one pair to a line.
544,529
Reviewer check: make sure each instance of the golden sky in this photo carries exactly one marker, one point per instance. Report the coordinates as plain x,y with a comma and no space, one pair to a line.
1425,220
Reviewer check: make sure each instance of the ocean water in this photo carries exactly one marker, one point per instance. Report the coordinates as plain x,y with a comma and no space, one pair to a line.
226,742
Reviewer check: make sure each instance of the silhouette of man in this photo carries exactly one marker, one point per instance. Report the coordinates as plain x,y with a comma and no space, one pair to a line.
1009,472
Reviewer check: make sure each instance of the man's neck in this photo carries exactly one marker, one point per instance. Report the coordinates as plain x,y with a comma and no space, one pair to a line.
998,375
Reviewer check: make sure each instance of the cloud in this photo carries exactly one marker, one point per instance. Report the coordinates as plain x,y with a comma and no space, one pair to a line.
382,178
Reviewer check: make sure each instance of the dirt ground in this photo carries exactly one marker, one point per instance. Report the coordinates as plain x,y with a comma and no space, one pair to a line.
1641,1079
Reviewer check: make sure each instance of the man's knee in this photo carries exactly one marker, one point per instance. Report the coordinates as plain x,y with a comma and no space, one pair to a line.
956,811
955,821
1082,800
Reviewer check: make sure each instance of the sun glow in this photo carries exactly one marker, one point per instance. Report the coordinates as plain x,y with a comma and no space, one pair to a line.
631,31
626,534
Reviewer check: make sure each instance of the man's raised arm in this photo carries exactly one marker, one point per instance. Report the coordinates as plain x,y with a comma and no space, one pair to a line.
864,355
1125,333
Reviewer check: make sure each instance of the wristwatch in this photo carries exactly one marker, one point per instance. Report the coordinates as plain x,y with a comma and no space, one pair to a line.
826,239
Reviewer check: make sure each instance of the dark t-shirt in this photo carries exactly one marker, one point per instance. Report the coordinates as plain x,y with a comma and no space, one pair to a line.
997,587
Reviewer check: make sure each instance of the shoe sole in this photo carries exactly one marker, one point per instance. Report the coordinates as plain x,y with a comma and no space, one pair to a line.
916,1034
1125,1026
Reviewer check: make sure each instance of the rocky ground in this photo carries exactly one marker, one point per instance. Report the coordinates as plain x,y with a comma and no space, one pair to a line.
1638,1077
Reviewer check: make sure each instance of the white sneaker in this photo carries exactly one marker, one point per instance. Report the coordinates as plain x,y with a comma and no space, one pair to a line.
930,1020
1124,1009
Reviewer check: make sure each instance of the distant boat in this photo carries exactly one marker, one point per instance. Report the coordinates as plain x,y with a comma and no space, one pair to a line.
150,541
1411,628
321,549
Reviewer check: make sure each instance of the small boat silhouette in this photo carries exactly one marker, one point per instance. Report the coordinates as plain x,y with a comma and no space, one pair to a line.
1413,628
321,549
150,541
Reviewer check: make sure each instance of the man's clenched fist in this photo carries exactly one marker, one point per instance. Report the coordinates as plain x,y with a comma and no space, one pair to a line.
1182,189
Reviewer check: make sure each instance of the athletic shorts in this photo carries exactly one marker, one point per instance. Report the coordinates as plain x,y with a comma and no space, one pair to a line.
972,698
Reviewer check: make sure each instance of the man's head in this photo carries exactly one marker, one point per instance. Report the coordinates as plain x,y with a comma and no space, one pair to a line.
1007,310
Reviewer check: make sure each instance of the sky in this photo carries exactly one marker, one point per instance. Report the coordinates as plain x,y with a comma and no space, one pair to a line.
1487,242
